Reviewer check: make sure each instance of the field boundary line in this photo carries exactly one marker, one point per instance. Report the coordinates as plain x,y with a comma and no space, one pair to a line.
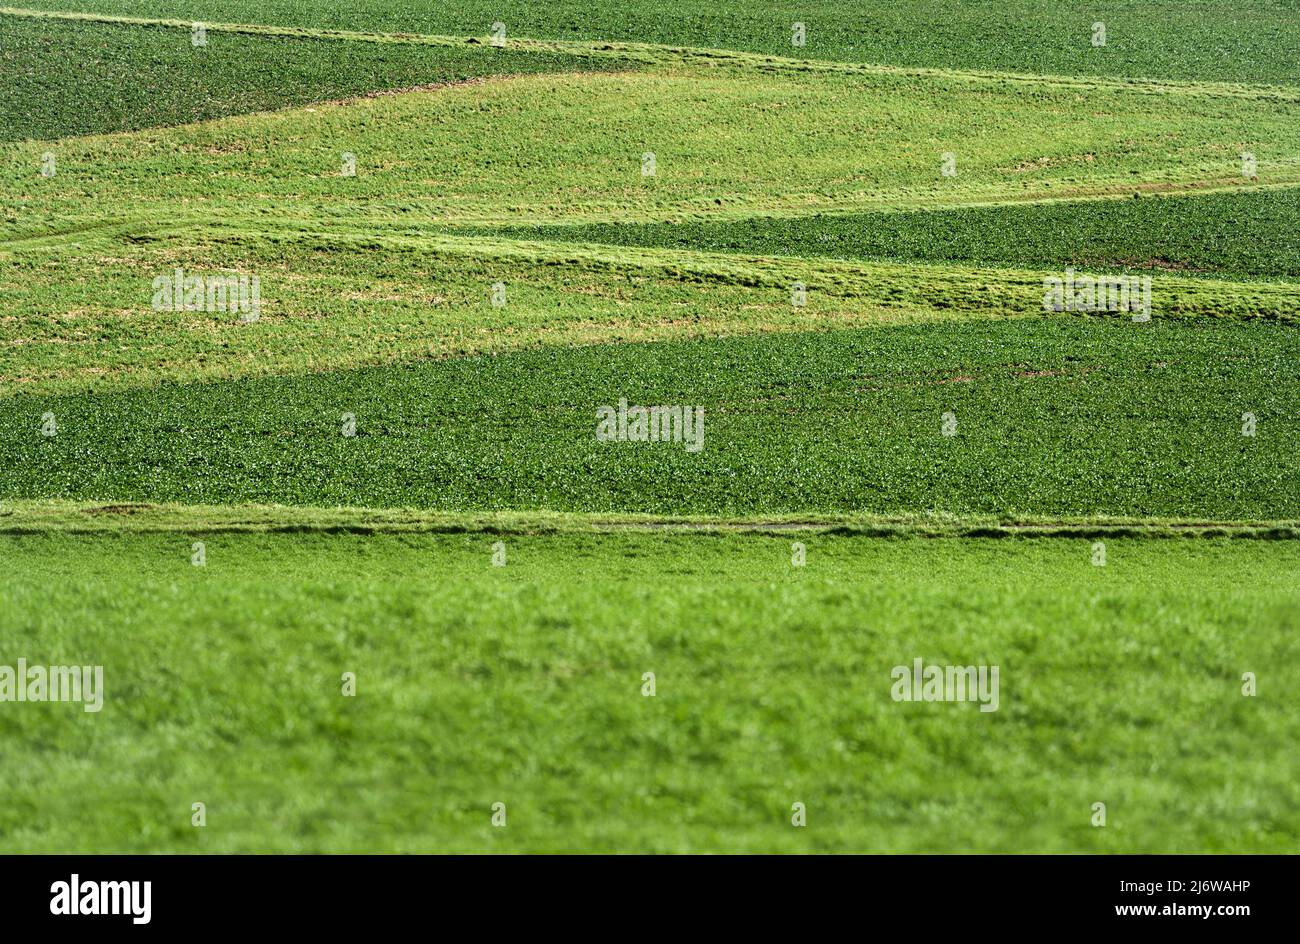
664,54
105,518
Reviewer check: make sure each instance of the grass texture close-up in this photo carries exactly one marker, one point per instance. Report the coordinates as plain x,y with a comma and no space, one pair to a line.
478,684
649,428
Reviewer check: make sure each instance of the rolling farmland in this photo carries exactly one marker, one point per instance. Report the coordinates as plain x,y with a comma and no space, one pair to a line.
323,338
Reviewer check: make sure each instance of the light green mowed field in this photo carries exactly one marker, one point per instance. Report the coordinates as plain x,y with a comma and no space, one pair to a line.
919,462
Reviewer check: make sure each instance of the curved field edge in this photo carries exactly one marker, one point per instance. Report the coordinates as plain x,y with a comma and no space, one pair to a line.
106,518
127,78
340,300
655,53
570,147
1243,233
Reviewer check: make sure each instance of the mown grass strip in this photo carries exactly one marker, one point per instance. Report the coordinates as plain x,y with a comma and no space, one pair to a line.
91,518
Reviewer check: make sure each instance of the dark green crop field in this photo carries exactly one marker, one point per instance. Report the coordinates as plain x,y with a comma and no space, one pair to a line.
51,94
1219,40
1056,417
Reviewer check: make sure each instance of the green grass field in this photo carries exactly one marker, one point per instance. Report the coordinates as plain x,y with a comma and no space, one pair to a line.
393,465
523,685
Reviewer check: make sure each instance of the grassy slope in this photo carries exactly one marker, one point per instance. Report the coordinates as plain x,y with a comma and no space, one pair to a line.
332,302
1057,416
129,77
132,206
1229,40
569,148
1234,235
521,684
